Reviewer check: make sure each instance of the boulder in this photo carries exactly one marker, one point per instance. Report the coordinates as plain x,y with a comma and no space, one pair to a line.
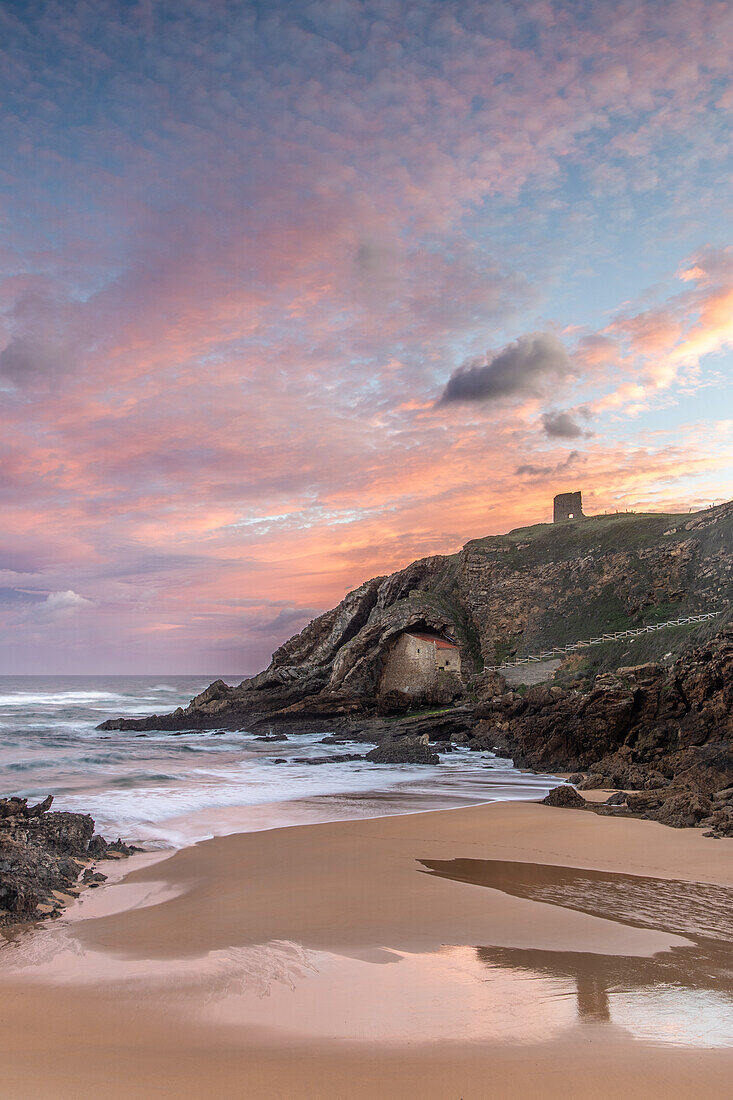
97,847
403,750
566,798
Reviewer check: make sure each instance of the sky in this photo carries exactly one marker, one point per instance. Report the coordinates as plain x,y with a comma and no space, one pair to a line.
293,293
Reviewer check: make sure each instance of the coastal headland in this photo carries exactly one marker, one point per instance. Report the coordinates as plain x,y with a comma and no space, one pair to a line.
651,715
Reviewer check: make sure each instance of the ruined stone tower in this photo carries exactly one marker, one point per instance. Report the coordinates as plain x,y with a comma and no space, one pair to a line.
567,506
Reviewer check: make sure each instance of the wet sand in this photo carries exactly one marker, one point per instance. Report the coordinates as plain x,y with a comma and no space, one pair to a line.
501,950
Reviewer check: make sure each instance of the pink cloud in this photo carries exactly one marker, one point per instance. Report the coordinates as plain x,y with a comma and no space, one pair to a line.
236,278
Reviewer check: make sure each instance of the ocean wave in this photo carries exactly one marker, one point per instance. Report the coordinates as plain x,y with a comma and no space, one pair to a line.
56,699
161,787
140,778
20,766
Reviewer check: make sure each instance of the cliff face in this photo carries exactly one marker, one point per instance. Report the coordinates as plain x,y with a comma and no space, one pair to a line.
666,733
507,594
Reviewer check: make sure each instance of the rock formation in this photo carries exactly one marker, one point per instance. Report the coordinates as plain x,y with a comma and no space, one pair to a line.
507,594
42,855
565,798
663,734
404,750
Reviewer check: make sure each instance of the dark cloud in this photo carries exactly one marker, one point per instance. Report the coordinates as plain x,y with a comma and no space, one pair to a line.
575,458
520,368
561,425
25,360
291,619
40,344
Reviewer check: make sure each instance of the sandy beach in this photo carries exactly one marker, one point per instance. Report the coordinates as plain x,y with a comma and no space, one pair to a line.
501,950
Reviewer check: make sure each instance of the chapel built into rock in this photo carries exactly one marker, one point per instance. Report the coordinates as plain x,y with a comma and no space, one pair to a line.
417,661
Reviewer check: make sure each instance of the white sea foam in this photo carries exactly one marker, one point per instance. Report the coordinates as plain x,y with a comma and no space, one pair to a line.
57,699
168,788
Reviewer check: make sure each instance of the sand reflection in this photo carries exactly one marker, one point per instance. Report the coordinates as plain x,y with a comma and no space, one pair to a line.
376,990
684,995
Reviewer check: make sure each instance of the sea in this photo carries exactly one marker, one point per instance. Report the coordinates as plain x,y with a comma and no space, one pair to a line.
167,790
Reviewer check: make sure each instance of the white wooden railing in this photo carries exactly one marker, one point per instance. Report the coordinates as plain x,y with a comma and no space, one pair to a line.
560,650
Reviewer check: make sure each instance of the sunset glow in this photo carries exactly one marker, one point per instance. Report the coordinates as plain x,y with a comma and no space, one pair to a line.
294,293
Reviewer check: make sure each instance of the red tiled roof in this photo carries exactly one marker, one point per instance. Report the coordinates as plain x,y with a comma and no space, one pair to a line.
440,643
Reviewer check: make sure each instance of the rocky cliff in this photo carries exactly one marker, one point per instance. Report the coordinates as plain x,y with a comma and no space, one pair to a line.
665,735
501,595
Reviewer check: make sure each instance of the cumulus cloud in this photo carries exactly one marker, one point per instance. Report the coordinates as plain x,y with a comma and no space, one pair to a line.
59,605
564,425
523,367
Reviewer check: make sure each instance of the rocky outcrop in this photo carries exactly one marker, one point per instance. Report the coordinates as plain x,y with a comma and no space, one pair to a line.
506,594
666,733
403,750
441,726
42,855
565,798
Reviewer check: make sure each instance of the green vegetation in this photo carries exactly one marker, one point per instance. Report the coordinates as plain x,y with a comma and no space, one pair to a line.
583,578
527,547
661,647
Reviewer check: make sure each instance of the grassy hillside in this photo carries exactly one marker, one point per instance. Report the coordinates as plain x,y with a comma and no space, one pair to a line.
662,647
552,584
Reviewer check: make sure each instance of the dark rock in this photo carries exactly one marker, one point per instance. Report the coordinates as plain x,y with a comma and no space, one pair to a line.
665,734
40,852
442,726
97,846
13,807
394,702
618,798
336,758
66,833
566,798
271,737
92,876
594,782
40,807
121,848
684,809
68,868
404,750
